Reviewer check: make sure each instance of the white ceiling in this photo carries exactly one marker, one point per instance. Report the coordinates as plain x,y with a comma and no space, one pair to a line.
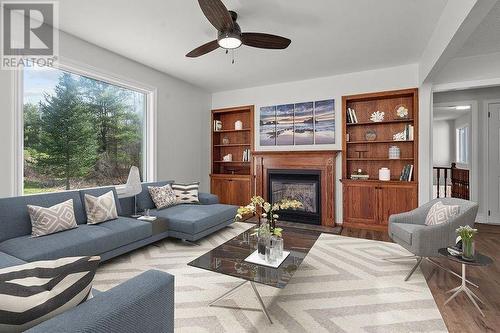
328,36
486,38
448,112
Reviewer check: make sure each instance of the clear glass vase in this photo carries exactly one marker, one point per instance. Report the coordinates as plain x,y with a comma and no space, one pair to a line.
468,249
263,235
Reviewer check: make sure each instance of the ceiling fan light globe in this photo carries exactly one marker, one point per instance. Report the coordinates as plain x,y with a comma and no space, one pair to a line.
229,43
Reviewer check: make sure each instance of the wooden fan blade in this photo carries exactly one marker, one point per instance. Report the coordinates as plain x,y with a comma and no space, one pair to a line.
217,14
264,41
204,49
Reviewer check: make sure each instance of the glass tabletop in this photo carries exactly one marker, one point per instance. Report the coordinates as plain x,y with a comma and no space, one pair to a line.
479,259
229,258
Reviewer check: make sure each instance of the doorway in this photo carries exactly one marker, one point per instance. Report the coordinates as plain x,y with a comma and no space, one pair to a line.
493,161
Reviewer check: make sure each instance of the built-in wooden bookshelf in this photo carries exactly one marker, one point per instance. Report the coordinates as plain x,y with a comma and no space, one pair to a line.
369,203
232,180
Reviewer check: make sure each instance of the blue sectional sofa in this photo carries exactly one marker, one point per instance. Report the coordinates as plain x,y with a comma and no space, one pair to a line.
108,240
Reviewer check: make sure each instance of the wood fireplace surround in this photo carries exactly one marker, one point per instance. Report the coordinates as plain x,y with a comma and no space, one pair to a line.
322,161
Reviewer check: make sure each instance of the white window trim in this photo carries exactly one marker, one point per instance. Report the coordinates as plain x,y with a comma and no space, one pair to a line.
98,74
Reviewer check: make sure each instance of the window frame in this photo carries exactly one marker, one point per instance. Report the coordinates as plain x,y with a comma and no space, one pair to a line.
458,146
150,138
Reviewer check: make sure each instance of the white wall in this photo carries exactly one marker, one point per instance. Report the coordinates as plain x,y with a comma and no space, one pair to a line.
183,118
322,88
480,96
443,142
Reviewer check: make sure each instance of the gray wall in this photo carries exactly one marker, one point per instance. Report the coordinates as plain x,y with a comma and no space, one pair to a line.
183,117
480,96
443,142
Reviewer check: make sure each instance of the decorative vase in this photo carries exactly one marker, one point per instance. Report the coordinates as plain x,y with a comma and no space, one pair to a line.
394,153
468,249
271,249
263,235
238,125
279,247
384,174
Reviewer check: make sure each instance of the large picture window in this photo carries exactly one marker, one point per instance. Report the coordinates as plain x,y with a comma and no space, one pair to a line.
79,131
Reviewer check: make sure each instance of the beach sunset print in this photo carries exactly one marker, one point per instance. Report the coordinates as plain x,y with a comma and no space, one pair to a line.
284,125
268,126
324,118
303,124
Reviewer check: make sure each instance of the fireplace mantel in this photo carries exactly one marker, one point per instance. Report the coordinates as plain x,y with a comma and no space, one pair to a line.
323,161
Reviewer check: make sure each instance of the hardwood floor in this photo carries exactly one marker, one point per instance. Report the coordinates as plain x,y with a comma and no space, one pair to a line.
460,315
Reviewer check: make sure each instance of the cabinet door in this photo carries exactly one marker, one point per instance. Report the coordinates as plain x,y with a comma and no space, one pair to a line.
396,199
240,192
221,187
360,203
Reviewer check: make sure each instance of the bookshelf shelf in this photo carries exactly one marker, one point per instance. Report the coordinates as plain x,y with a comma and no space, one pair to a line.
368,203
234,145
232,130
394,121
378,141
376,159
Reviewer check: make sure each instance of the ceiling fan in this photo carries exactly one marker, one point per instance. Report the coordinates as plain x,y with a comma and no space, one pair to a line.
229,33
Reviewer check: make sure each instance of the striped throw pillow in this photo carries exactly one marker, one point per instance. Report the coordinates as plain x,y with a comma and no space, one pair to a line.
186,193
34,292
100,209
45,221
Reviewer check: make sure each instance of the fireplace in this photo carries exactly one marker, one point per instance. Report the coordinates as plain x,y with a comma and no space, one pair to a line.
301,185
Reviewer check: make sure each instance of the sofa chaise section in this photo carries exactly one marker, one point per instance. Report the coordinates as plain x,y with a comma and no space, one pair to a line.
142,304
192,222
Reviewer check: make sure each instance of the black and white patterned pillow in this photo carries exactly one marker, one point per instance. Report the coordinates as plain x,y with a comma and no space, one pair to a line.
45,221
162,196
186,193
34,292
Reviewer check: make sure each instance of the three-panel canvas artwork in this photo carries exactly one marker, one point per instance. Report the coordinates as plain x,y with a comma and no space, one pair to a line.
309,123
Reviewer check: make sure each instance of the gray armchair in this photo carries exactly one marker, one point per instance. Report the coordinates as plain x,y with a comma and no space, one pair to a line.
409,230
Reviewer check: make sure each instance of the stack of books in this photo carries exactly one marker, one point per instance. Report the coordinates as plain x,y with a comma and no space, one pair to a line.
406,173
351,116
409,132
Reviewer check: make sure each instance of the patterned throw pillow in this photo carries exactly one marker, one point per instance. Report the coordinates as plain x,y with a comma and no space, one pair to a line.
100,209
440,213
45,221
186,193
34,292
162,196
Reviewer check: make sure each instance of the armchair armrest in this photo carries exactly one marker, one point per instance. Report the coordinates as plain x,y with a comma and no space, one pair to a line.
142,304
208,198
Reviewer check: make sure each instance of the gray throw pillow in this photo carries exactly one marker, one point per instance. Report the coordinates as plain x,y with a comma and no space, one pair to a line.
45,221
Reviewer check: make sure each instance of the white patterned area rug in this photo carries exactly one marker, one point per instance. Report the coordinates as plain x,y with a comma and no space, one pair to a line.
343,285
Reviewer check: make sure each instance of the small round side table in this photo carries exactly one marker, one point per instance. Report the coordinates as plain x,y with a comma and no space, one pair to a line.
479,260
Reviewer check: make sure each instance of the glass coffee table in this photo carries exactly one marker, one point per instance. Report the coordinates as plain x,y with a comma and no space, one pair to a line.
229,259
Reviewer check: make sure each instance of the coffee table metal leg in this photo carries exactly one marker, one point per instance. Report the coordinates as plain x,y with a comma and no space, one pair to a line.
227,293
261,303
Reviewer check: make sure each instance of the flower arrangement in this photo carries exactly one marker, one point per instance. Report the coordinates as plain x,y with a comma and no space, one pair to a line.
258,206
467,234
